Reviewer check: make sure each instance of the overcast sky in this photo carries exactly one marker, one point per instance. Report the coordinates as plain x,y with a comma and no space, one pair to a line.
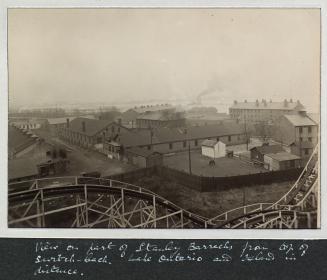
118,55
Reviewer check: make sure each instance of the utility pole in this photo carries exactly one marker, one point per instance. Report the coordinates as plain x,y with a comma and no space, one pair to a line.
189,158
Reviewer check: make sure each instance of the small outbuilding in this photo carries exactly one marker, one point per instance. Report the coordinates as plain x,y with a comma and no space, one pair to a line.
213,148
258,153
143,157
281,161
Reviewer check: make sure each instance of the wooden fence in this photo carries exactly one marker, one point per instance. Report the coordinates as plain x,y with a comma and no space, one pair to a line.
209,184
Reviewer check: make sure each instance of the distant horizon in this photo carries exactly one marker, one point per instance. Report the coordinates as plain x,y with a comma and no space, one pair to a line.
116,56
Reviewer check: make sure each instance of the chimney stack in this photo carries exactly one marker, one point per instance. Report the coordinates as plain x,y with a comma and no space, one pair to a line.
83,126
245,101
285,103
67,122
257,103
291,100
235,102
119,121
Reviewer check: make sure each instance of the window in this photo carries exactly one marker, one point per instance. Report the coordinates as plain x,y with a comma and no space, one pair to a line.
217,138
309,139
149,147
112,129
292,163
195,142
229,138
300,129
170,146
300,139
306,151
184,144
309,129
118,129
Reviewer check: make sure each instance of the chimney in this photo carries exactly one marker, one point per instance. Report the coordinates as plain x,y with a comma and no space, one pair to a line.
119,121
285,103
83,126
235,102
262,100
270,101
67,122
245,101
265,103
257,103
291,100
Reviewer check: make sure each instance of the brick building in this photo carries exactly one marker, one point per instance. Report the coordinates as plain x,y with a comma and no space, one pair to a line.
160,119
264,111
298,132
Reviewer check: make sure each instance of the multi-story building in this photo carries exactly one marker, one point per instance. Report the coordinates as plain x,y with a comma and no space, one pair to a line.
264,111
298,132
160,119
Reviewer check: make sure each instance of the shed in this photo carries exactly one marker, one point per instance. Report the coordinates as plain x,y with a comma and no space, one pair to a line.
282,161
257,153
143,157
213,148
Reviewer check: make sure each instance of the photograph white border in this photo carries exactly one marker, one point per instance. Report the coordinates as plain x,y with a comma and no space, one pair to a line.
155,233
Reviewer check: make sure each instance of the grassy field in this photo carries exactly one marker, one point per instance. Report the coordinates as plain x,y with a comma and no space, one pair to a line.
211,204
200,165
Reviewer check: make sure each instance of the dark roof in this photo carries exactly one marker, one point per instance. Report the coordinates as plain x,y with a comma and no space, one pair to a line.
300,120
22,167
269,149
17,140
160,116
164,135
282,156
92,126
142,152
209,143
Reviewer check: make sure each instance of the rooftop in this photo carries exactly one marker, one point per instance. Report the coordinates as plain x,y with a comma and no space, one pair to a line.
300,120
269,105
209,143
92,126
22,167
17,140
165,135
268,149
282,156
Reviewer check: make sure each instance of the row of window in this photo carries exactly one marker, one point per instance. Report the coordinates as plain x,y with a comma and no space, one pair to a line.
309,129
309,139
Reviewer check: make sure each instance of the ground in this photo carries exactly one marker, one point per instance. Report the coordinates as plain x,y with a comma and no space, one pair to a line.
200,165
82,160
210,204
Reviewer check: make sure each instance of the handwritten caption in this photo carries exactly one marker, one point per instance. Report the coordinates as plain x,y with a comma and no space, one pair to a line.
51,257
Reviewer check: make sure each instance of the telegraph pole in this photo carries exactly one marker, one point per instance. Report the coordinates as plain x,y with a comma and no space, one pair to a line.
189,158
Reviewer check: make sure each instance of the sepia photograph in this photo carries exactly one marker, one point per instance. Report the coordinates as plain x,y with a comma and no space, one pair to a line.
164,118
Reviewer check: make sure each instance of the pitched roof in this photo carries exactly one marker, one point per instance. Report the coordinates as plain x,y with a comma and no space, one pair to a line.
164,135
158,116
142,152
300,120
22,167
282,156
17,140
268,149
268,105
209,143
92,126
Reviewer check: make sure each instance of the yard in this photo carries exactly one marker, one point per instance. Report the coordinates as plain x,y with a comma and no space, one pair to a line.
200,165
82,160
